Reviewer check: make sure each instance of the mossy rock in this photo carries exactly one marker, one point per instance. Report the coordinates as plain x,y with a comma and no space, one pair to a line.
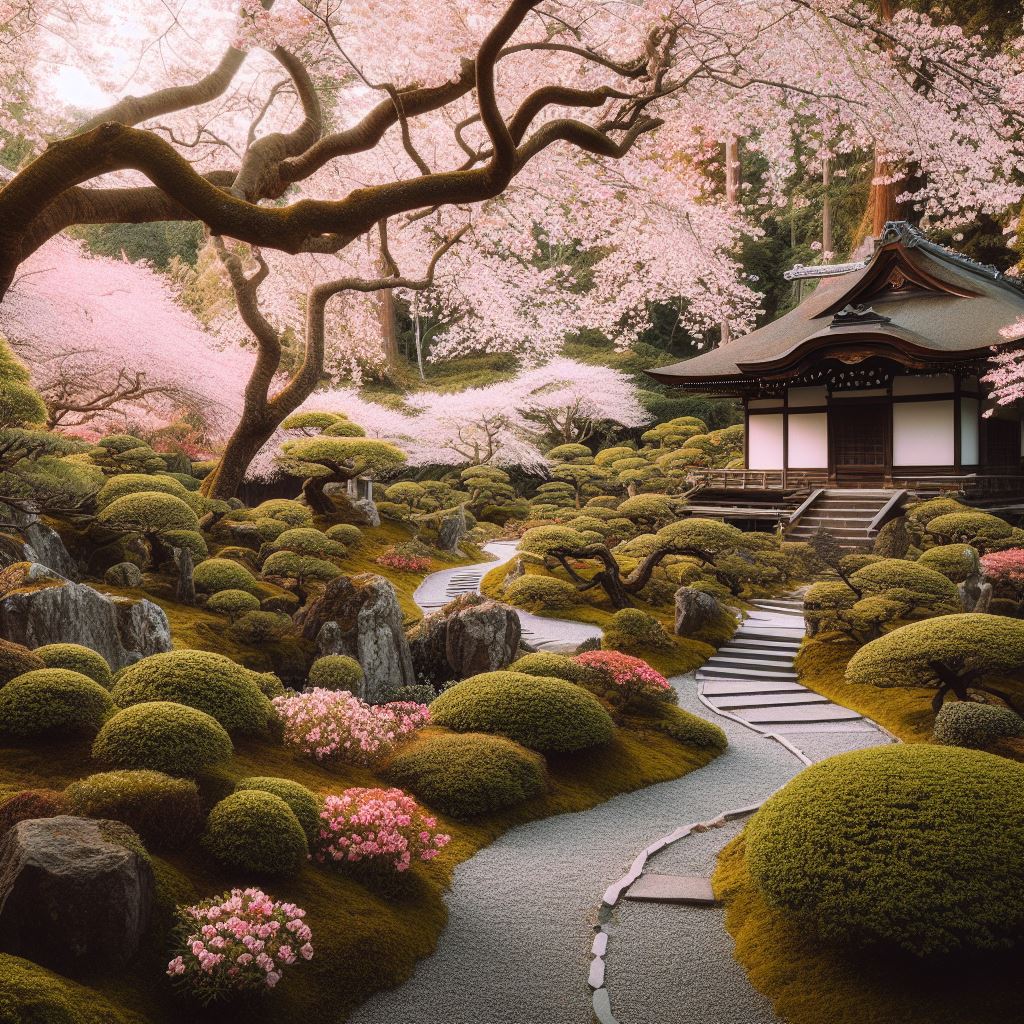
942,871
16,660
52,702
256,832
78,659
540,712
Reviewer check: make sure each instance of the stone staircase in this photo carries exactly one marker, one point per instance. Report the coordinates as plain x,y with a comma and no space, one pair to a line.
752,678
848,514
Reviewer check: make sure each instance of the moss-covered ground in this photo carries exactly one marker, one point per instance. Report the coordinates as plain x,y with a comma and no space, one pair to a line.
810,982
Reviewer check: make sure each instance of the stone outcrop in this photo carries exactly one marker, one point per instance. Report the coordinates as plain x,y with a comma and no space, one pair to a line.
360,616
39,607
42,543
452,530
185,587
695,611
468,635
74,892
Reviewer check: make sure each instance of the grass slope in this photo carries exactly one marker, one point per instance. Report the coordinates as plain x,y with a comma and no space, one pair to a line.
810,982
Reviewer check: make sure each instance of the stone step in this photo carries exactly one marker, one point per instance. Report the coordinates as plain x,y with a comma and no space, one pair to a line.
853,725
731,672
736,702
775,667
784,656
713,688
801,714
766,644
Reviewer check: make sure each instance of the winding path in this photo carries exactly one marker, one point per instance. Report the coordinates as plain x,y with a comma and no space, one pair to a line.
524,911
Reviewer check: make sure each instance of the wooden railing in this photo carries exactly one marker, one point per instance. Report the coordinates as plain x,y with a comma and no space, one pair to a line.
758,479
967,483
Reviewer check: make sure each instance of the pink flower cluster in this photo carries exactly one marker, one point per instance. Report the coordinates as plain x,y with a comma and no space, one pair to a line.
1006,567
335,725
384,827
238,942
403,563
632,678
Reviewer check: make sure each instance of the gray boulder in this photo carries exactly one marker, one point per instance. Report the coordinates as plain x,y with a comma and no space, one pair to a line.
469,635
452,530
366,508
695,611
42,544
360,616
185,588
124,574
120,629
74,892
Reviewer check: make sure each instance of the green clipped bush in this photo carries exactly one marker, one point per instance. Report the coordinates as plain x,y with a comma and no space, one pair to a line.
893,540
648,509
305,804
927,588
633,631
78,659
915,848
137,483
288,565
52,702
30,994
165,811
970,724
304,540
468,774
955,561
969,527
542,539
233,603
922,513
541,593
336,672
259,627
256,831
201,679
216,574
191,541
344,533
689,729
16,660
163,736
542,713
148,512
286,510
543,663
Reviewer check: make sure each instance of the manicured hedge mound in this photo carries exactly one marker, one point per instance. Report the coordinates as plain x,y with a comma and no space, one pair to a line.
210,682
468,774
78,659
543,663
30,803
305,804
542,713
689,729
915,848
216,574
336,672
257,832
16,660
165,811
955,561
30,994
233,603
52,702
964,723
163,736
541,593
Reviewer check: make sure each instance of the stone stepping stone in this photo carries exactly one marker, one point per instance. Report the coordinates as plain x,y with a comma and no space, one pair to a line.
782,716
759,653
764,700
731,672
773,665
689,889
736,687
764,643
853,725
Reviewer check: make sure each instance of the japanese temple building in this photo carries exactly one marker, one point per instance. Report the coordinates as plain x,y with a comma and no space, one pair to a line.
874,380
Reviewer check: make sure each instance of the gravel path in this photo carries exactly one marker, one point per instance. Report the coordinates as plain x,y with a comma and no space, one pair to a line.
524,911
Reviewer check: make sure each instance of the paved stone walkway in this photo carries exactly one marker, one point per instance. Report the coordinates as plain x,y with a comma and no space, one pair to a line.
524,912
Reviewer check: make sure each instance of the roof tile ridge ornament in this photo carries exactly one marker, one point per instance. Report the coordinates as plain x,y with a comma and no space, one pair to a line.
818,270
858,315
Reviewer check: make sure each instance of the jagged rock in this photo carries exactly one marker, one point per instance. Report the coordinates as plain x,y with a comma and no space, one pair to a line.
452,530
514,571
360,616
74,892
122,630
468,635
695,610
366,508
975,595
185,588
124,574
42,544
362,510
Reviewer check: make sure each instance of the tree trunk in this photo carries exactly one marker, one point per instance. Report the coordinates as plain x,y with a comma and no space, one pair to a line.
248,438
827,240
313,492
732,198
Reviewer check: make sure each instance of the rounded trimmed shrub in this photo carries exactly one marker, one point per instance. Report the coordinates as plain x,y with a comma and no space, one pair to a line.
542,539
468,774
163,736
257,832
541,712
914,847
966,723
304,540
967,527
260,627
922,513
216,574
289,565
287,510
336,672
543,663
687,728
541,593
201,679
926,586
78,659
233,603
191,541
137,483
16,660
955,561
344,533
149,512
633,631
305,804
52,702
30,803
165,811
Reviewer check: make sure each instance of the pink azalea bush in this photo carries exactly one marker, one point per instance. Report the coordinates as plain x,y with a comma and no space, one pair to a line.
335,725
1006,568
379,827
630,681
238,942
403,563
